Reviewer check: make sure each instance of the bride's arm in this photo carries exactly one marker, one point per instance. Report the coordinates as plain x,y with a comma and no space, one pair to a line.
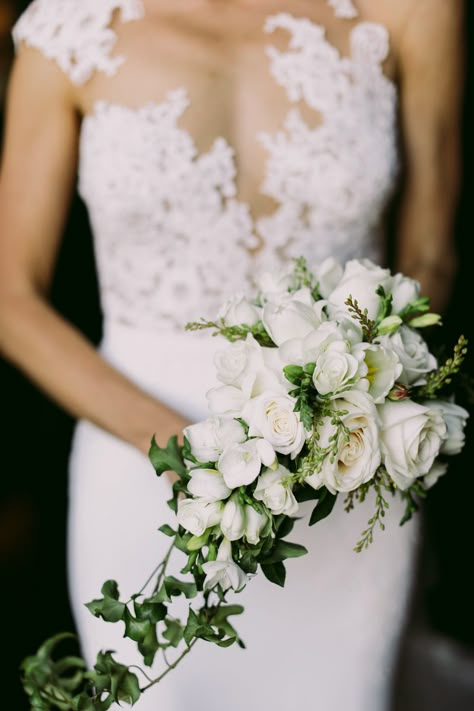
431,74
37,177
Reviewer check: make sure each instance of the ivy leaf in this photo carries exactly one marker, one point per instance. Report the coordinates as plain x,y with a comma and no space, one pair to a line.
294,374
110,676
175,587
169,458
150,610
307,493
174,632
109,608
149,645
275,573
324,507
167,530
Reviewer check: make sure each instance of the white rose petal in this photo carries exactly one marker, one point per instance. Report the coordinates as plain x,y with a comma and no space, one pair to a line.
358,457
456,419
360,280
275,493
226,400
207,439
329,276
272,417
292,317
438,470
337,368
238,310
411,439
413,353
405,291
240,464
239,363
208,485
197,515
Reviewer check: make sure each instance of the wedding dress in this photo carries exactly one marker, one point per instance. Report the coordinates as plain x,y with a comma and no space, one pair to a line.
172,241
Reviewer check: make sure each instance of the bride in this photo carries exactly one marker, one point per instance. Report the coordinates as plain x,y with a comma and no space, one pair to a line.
214,139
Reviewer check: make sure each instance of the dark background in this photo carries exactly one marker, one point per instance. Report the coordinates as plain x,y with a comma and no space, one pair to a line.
437,664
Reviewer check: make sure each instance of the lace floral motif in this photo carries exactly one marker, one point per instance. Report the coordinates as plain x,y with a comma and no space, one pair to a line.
170,235
172,239
331,182
343,8
76,33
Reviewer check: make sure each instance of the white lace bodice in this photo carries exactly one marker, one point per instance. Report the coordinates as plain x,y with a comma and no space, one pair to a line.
172,238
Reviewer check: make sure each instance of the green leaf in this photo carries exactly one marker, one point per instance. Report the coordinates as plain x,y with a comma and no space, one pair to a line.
192,625
136,629
177,587
307,493
309,369
283,550
150,610
109,608
294,374
174,632
275,573
110,589
167,530
148,646
192,558
323,508
169,458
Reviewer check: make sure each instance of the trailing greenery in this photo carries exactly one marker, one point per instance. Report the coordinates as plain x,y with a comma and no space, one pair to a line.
233,333
443,376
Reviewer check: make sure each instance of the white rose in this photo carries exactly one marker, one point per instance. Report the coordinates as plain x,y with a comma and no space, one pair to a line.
360,280
240,464
438,470
455,418
272,417
208,485
207,439
405,291
272,286
224,571
329,274
358,457
413,353
337,369
293,317
411,439
233,519
277,495
226,400
197,515
254,524
238,310
383,369
299,351
239,363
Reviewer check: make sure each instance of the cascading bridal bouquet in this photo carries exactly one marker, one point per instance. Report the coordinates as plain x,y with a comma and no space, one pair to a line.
327,389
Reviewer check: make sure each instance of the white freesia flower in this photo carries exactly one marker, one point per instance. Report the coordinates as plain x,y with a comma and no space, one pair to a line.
329,275
294,316
358,456
277,495
226,400
208,485
438,470
233,519
411,438
272,417
337,368
383,369
209,438
413,353
239,363
360,280
224,571
254,524
405,291
455,418
238,310
240,464
197,515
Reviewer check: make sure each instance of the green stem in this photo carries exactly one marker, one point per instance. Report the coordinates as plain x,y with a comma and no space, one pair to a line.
163,565
171,667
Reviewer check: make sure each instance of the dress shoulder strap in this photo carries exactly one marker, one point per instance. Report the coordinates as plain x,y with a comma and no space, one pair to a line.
76,34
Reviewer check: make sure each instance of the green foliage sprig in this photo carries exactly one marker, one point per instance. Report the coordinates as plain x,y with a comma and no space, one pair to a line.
381,484
443,376
233,333
369,326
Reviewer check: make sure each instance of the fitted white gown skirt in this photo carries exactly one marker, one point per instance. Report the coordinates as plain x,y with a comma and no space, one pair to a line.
327,641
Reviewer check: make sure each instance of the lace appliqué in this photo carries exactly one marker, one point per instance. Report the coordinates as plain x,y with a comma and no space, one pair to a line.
343,8
332,182
170,236
76,34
